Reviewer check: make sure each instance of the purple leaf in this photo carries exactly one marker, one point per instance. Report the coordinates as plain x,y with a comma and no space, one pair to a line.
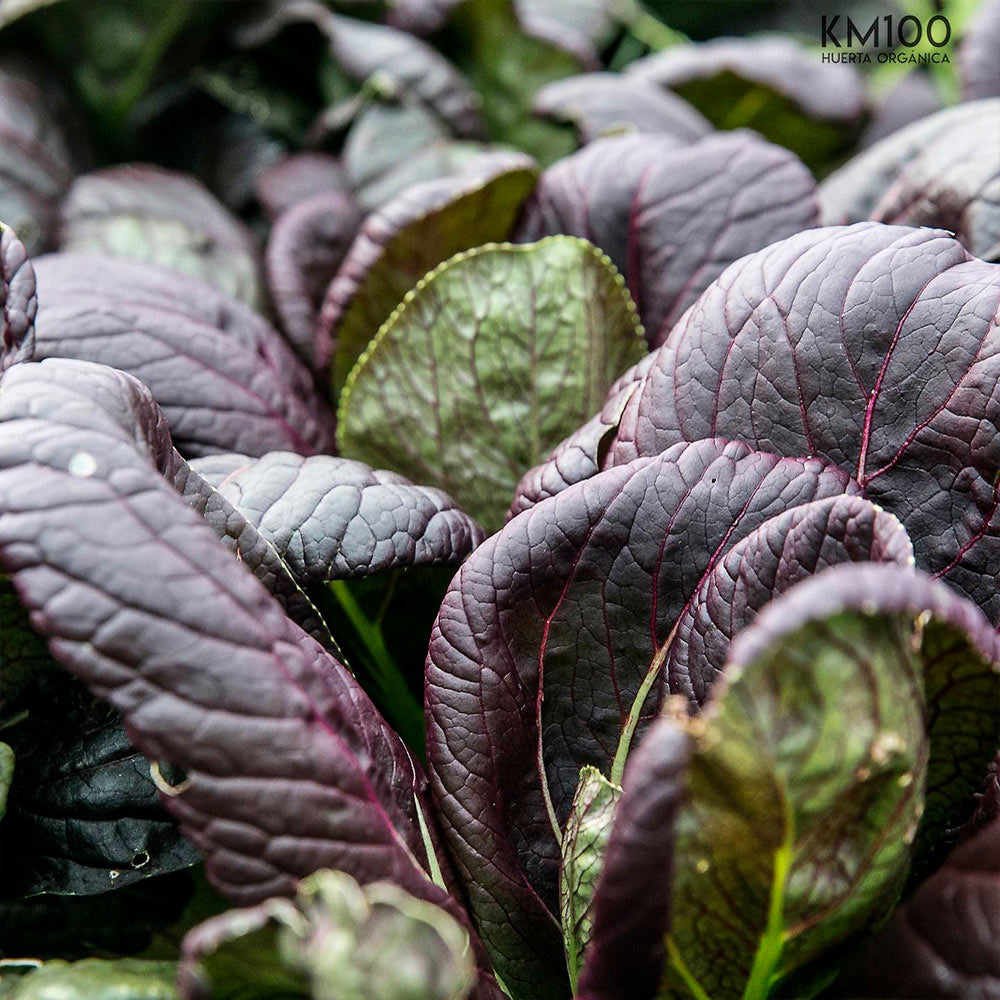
226,380
288,767
820,90
161,217
37,165
333,518
602,103
549,648
874,347
942,942
18,301
940,171
307,243
913,97
405,239
978,66
770,83
672,219
295,178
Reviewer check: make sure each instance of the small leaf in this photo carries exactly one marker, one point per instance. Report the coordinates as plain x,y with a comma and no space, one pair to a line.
338,941
464,391
585,839
631,908
305,248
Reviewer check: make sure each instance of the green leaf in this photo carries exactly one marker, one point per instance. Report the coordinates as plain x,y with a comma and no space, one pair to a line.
489,362
337,941
962,688
6,775
507,65
83,814
98,979
412,234
805,789
585,837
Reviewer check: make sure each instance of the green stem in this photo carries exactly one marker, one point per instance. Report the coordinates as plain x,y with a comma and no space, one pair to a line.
137,82
401,706
628,730
677,961
651,31
772,942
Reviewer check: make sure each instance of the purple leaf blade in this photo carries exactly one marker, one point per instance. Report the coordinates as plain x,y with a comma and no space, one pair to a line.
225,378
288,766
671,219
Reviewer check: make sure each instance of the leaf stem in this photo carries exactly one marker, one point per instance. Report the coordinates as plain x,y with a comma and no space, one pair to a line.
628,731
768,954
649,30
677,961
401,706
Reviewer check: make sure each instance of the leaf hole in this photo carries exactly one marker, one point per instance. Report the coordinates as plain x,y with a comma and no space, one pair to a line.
140,859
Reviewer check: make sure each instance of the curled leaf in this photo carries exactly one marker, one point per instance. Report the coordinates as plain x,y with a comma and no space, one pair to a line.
338,941
772,84
18,301
307,243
